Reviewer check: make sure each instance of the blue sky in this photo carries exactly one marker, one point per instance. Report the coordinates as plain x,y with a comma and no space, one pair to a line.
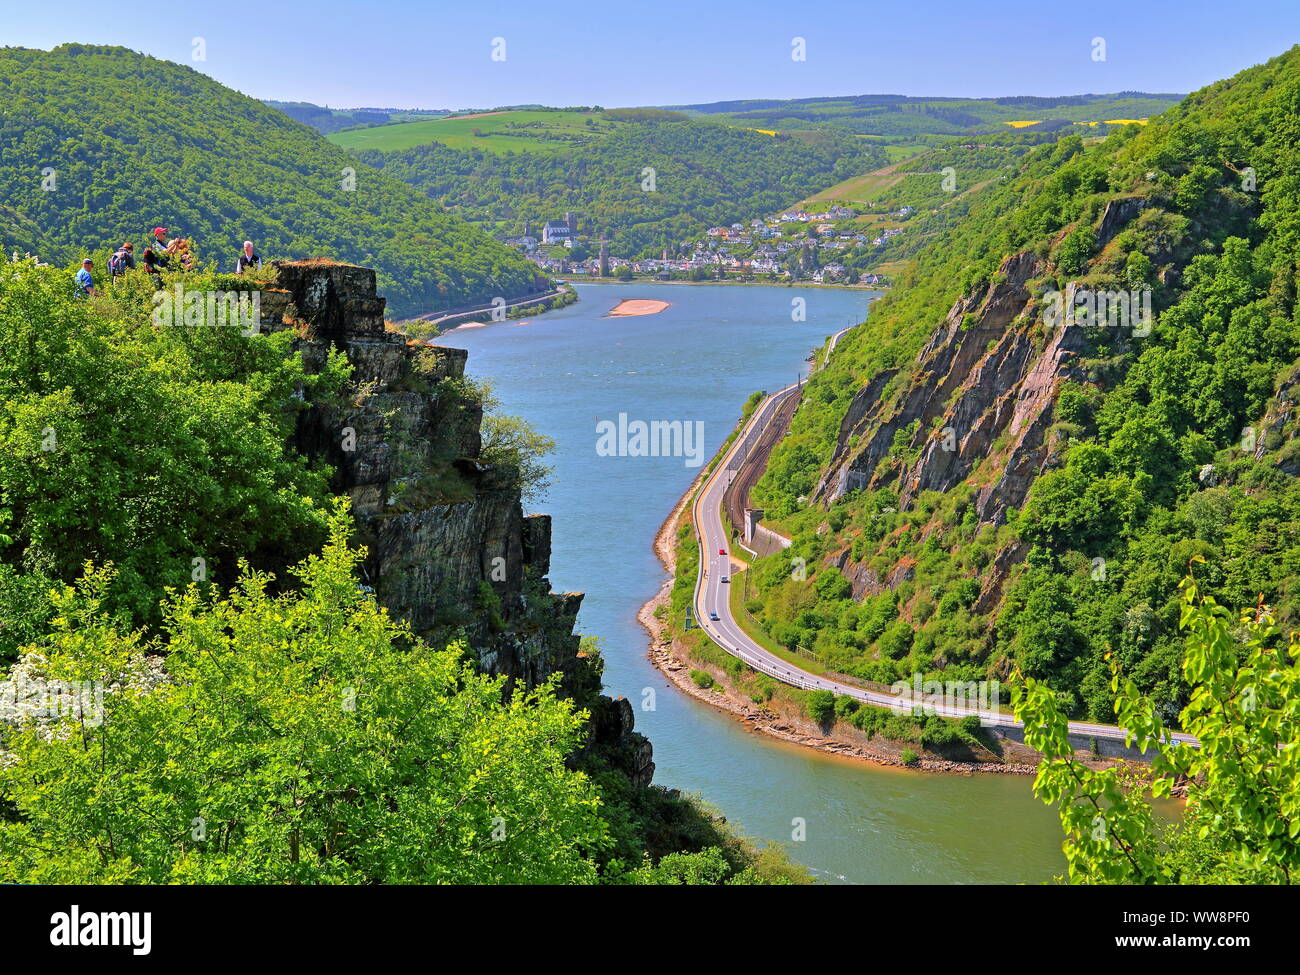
404,53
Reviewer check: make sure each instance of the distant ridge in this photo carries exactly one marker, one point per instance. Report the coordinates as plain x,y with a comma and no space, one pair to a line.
102,144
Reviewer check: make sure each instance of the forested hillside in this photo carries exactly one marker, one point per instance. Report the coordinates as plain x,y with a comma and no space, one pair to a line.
981,490
932,120
103,144
703,175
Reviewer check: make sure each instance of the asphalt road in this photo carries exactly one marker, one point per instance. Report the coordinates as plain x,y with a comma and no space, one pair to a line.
713,582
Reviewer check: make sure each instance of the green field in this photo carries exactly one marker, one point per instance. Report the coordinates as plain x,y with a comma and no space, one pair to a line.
868,186
912,121
533,130
897,153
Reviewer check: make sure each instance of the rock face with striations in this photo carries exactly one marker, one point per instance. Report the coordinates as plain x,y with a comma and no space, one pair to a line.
981,396
449,548
979,379
978,407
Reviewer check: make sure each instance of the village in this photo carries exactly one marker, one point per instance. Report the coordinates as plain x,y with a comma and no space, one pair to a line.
823,246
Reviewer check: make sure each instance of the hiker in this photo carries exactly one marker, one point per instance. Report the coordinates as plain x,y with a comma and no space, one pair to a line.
247,258
86,283
123,260
161,259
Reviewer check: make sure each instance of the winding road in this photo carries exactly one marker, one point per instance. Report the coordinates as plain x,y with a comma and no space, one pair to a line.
711,596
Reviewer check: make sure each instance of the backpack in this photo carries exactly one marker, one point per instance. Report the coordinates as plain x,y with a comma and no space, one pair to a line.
117,264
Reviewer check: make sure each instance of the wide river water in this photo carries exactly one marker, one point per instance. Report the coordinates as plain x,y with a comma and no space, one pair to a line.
698,361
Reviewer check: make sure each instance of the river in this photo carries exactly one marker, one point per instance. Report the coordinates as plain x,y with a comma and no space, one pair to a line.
697,361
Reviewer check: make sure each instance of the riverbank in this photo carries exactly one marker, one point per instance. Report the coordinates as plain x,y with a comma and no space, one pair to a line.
708,353
527,306
812,285
672,657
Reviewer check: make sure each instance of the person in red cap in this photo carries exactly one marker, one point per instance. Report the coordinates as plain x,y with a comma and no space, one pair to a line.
161,257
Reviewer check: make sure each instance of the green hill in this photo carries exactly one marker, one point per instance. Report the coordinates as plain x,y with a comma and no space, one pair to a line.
984,492
904,118
704,174
102,144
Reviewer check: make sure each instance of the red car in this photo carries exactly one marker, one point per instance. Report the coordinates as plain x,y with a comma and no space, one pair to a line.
722,551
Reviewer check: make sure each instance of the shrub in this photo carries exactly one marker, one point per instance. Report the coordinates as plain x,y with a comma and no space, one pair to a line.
896,640
821,706
939,733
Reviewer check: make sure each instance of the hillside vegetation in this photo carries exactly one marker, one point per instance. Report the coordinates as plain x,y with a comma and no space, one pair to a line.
924,196
102,144
326,120
1040,547
929,120
190,643
703,175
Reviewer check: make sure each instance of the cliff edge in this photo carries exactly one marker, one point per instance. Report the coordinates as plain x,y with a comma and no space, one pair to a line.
449,548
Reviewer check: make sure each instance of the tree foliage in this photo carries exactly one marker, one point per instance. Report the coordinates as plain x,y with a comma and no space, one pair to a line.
704,174
1243,784
146,447
132,142
300,738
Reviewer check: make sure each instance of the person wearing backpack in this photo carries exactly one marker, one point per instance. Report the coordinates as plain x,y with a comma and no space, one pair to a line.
123,260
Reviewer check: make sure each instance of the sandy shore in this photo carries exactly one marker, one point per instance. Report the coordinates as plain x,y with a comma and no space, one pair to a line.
630,307
667,658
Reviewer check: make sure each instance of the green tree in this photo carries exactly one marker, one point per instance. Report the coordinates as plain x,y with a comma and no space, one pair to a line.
1243,782
1076,248
511,443
301,738
831,584
148,447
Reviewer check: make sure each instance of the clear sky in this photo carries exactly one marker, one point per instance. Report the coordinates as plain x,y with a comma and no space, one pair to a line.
437,54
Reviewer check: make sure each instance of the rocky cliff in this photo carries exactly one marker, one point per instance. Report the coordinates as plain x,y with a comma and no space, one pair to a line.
978,406
980,376
449,548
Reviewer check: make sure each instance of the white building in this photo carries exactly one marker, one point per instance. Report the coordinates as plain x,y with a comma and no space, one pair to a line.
556,231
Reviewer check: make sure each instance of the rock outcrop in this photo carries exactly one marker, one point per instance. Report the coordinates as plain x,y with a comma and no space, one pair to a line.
978,401
1117,214
982,389
449,548
976,408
